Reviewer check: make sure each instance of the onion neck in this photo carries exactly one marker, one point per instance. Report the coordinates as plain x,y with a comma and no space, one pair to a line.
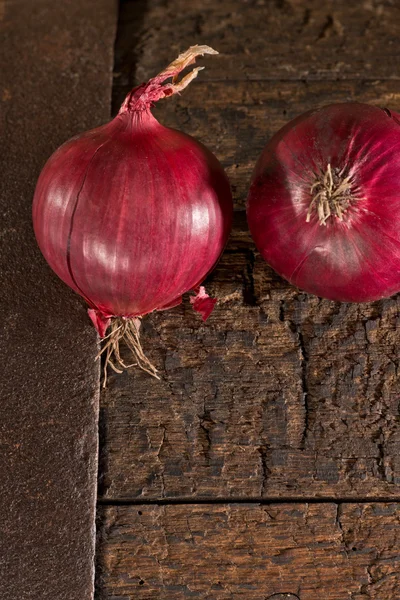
331,195
140,121
145,95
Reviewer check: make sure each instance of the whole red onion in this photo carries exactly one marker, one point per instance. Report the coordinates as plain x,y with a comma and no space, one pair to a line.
324,204
132,214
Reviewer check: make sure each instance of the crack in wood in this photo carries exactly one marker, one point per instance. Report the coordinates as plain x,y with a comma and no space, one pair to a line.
265,470
249,295
284,596
206,424
304,385
340,528
282,307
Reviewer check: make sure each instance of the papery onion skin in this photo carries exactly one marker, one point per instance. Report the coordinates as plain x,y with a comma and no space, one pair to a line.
133,214
351,258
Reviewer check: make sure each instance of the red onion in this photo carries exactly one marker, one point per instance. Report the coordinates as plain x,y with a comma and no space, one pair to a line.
132,214
324,204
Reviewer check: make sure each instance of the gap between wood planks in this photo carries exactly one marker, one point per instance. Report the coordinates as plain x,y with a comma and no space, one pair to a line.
251,500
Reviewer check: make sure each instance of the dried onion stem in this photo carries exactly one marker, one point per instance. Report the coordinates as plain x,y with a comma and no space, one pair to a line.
330,195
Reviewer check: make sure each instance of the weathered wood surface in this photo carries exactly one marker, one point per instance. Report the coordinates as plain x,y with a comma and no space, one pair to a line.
55,65
266,39
252,552
236,119
280,393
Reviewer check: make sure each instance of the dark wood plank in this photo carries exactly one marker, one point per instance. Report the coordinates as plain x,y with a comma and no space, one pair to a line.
264,39
280,393
55,64
236,119
251,552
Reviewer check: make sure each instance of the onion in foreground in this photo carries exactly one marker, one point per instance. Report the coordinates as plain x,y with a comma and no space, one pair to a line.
324,203
131,215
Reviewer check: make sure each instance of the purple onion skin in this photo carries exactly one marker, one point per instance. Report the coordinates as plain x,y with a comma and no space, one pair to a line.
132,215
356,259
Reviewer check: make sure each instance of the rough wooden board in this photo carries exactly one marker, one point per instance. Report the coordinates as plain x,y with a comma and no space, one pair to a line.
235,120
279,394
251,552
264,39
56,65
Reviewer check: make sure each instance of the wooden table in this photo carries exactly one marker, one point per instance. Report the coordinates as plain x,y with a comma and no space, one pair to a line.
265,464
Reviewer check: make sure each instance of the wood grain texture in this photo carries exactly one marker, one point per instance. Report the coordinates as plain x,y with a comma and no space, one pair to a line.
236,119
265,40
280,394
251,552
